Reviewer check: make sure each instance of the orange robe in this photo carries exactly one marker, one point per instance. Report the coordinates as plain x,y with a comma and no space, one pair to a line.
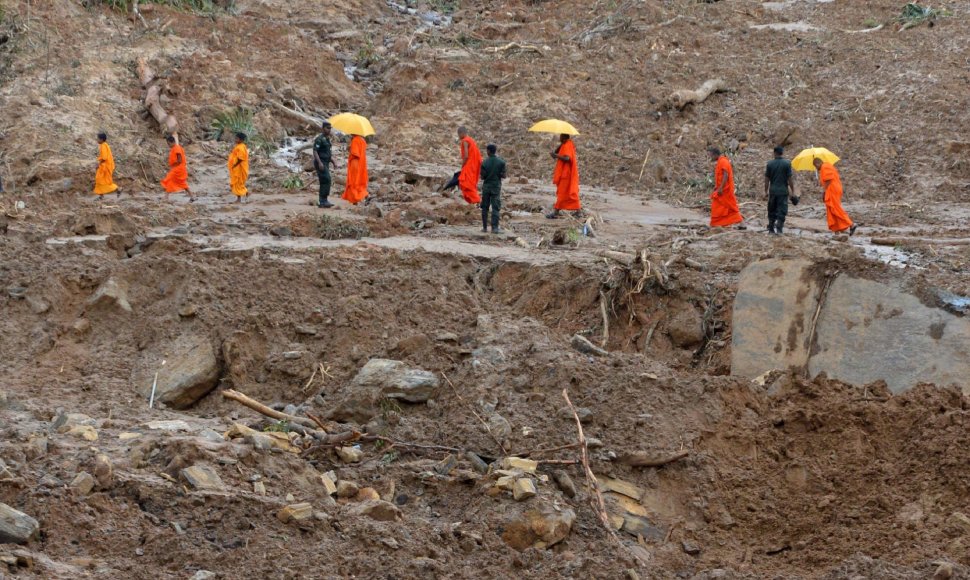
178,176
239,172
103,180
471,169
566,178
356,189
837,218
724,207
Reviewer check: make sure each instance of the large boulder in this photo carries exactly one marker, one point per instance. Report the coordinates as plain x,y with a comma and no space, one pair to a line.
382,379
190,371
16,527
111,292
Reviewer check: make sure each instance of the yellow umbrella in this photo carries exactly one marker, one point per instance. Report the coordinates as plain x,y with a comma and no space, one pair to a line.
352,124
803,161
554,126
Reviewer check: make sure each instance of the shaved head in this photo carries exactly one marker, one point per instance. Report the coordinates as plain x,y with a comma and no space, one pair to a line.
462,131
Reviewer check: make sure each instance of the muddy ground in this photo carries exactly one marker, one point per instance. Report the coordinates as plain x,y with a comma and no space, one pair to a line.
787,477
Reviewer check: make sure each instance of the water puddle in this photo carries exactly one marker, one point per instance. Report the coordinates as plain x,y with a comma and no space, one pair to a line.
889,255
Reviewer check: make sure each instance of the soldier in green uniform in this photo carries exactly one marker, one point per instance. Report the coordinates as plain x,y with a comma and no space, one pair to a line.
322,160
779,185
493,172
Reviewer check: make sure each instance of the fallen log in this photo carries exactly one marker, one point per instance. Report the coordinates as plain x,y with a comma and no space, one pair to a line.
644,460
153,93
621,257
264,410
683,97
299,115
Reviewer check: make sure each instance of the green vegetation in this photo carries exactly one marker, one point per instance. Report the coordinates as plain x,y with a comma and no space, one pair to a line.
914,14
293,182
206,6
444,6
278,427
367,56
225,125
870,23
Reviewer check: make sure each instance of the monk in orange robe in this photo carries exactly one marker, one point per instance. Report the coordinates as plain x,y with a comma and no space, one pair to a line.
356,189
239,168
104,177
471,167
828,176
566,177
178,173
724,205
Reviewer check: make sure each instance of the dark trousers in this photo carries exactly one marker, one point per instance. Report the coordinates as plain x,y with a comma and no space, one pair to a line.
325,182
777,211
491,199
452,183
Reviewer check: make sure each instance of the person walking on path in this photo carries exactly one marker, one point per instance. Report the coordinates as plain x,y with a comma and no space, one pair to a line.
104,176
493,172
779,186
565,177
178,173
837,219
322,161
724,205
239,168
471,166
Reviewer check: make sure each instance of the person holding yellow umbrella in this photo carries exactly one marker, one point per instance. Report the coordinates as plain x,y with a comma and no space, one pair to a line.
359,127
823,161
566,174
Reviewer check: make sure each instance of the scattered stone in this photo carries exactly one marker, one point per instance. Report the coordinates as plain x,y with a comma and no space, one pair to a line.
280,231
81,326
523,489
499,426
37,447
540,527
111,292
637,525
86,432
328,483
204,575
367,494
16,527
379,510
347,489
83,483
685,328
188,310
523,465
350,454
306,330
295,513
290,498
594,443
446,337
583,345
293,355
584,413
191,371
37,305
128,436
689,548
175,425
103,471
397,381
565,483
211,435
944,571
202,477
17,292
391,543
477,462
259,488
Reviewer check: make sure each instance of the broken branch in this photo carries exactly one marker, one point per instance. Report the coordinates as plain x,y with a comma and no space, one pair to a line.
643,460
153,93
683,97
264,410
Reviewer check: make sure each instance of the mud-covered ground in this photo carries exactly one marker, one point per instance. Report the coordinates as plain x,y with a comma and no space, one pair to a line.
784,477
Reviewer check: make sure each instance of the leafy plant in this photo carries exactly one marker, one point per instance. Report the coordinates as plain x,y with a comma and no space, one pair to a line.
278,427
293,182
367,55
444,6
225,125
914,14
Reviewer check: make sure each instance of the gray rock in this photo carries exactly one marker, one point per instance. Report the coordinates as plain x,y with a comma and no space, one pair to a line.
83,483
583,345
584,413
38,305
191,371
540,527
18,292
280,231
111,292
16,527
202,477
499,426
204,575
398,381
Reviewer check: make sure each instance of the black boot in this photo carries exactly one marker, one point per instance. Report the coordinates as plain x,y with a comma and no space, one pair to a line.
779,226
771,227
325,202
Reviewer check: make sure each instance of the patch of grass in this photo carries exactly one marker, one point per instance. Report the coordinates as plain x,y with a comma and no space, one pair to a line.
334,228
278,427
293,182
870,23
367,55
225,125
444,6
914,14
